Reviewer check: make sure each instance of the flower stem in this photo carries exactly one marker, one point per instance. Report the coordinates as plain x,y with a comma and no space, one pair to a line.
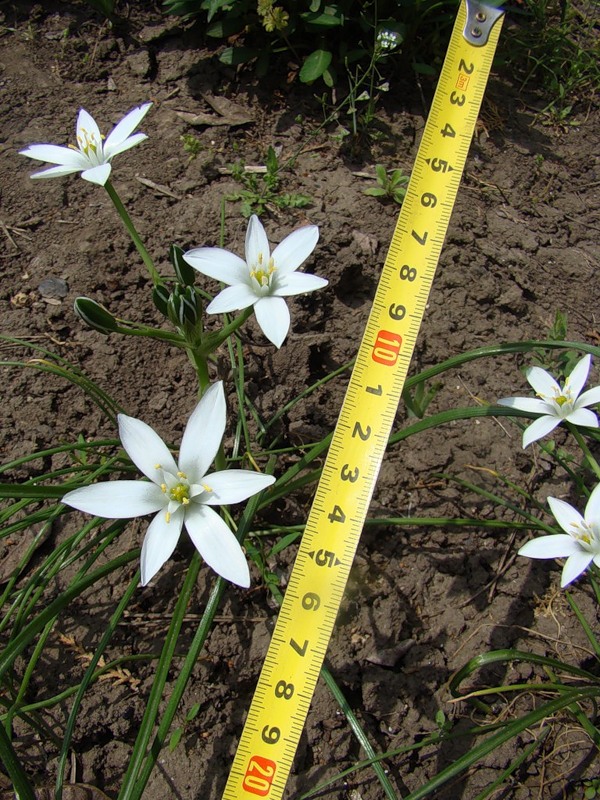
593,464
214,340
135,237
140,774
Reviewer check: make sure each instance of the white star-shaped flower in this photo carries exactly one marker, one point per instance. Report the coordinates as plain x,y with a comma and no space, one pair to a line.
263,279
555,403
181,493
93,155
580,544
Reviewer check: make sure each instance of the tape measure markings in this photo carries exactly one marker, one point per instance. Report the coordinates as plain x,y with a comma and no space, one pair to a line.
299,643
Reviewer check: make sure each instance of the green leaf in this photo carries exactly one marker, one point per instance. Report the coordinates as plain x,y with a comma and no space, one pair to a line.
424,69
330,17
375,191
315,65
233,56
224,28
175,739
212,6
330,78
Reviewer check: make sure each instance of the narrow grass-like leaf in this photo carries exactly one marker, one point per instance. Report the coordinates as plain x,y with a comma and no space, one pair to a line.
20,781
88,678
359,733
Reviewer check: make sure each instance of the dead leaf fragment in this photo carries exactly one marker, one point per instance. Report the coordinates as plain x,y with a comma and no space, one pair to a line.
226,113
158,187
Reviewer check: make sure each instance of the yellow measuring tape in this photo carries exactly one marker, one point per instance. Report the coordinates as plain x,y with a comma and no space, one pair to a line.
286,685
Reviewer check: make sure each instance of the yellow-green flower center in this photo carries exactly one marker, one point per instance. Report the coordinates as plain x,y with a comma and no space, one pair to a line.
561,400
180,493
87,142
262,273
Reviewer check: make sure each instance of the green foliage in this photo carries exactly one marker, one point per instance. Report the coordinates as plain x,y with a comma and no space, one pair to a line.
552,43
261,190
390,185
365,32
556,45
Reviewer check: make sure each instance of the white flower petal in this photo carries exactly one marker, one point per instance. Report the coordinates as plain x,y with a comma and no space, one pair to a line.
217,545
532,404
576,380
126,126
114,150
234,485
298,283
273,316
583,416
145,448
564,513
159,543
87,127
203,434
55,154
542,382
117,499
232,298
219,264
55,172
575,565
592,509
257,244
558,545
295,249
539,428
589,398
98,175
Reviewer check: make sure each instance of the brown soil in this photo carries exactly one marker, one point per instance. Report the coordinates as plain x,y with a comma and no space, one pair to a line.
522,244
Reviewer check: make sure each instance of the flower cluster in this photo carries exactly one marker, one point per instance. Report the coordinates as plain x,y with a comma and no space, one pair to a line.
182,494
580,542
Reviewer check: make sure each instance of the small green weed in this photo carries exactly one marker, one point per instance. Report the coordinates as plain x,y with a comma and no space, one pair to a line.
390,185
191,145
262,190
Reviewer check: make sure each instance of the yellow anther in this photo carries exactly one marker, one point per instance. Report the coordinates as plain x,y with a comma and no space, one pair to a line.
168,517
205,487
163,487
182,475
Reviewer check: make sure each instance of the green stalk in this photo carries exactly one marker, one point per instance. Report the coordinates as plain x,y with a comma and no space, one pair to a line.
136,778
90,674
165,661
18,776
594,466
378,768
135,237
17,645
